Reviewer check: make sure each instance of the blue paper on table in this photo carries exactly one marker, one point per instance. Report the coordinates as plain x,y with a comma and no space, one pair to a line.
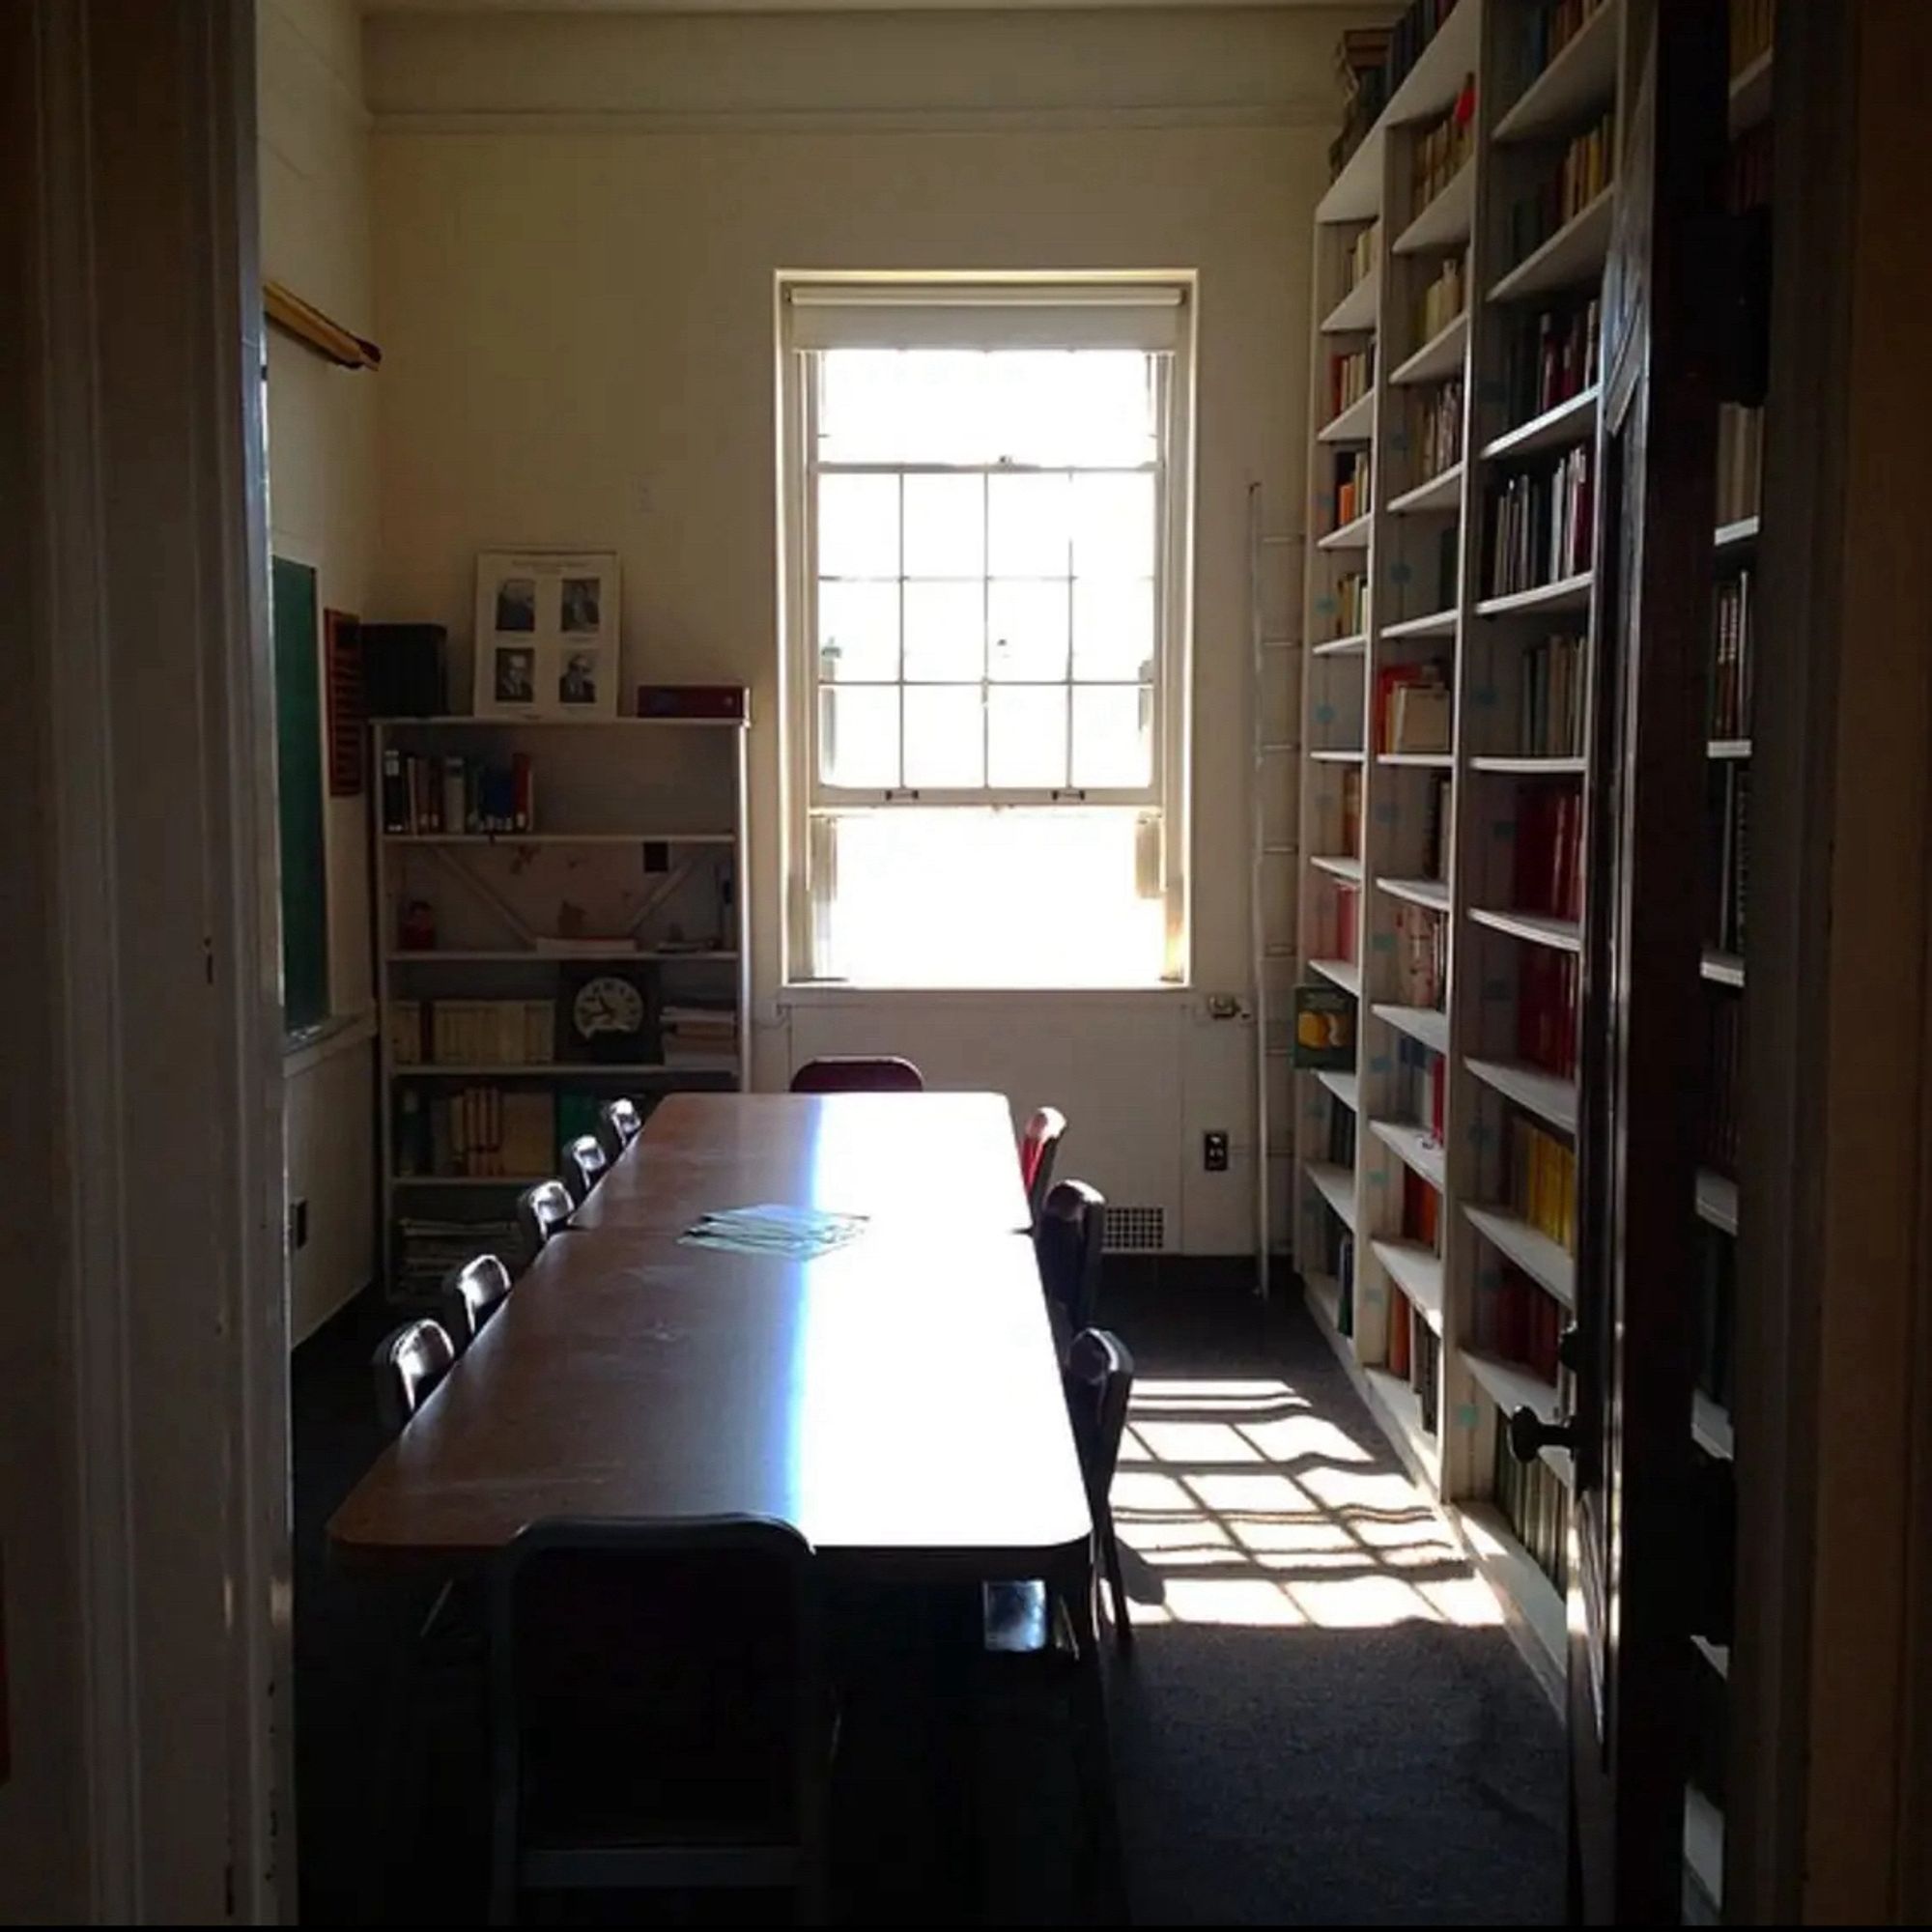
793,1234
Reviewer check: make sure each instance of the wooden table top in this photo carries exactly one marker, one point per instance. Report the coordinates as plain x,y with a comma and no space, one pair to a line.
946,1160
897,1400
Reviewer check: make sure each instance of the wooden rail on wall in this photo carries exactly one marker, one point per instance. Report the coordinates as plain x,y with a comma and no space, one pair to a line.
308,324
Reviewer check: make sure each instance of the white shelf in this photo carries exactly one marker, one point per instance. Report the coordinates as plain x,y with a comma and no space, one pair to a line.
1355,313
1431,85
1323,755
1575,254
1427,1024
1431,761
1347,1088
1430,892
1547,1096
559,838
1336,1185
527,956
1444,223
1519,1580
1530,768
1401,1410
1439,357
1711,1426
1418,1272
1342,647
1546,1261
1750,95
1565,935
1564,593
1436,624
1740,535
1572,420
1355,424
1512,1386
1582,76
448,720
1716,1201
1351,537
1343,973
1724,968
547,1070
1412,1147
1441,494
1341,867
1729,748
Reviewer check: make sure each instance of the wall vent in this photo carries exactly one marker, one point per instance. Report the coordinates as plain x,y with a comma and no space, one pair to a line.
1136,1231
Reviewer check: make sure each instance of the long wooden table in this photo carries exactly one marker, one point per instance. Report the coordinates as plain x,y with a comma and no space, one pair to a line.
897,1400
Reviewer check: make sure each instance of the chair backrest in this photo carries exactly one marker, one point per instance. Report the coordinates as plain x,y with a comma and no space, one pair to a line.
409,1362
1067,1240
470,1294
583,1165
618,1124
857,1073
541,1210
632,1659
1039,1144
1100,1381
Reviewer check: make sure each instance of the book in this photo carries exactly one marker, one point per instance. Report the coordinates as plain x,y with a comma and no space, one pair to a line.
1324,1029
432,795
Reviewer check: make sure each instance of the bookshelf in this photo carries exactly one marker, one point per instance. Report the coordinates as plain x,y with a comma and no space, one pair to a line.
1441,885
558,919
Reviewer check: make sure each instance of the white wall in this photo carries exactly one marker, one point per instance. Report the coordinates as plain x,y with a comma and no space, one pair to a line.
577,224
321,491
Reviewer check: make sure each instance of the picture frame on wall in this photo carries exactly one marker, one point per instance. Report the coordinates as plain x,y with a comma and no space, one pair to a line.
547,634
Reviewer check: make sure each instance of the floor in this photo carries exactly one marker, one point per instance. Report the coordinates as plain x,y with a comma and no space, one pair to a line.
1322,1720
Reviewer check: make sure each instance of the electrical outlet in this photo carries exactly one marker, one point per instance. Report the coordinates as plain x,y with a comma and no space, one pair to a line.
1214,1152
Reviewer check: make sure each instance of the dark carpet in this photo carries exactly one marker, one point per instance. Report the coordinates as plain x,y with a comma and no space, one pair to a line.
1317,1723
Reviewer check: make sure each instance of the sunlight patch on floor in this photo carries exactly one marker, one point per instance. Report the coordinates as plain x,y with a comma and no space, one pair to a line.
1246,1508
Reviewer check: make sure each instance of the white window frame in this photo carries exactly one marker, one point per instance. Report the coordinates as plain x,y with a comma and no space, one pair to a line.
1031,308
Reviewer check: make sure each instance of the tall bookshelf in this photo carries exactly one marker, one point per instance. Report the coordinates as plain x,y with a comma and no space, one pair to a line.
1434,1195
537,887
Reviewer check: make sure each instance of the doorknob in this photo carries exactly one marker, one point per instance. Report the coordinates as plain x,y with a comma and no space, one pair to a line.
1530,1434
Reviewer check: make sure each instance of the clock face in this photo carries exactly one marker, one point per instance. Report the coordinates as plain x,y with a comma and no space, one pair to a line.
608,1005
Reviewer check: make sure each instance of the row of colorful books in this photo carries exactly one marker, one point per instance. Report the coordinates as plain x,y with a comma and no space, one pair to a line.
1438,828
1340,1136
1729,808
1443,299
1436,429
1580,175
1539,526
1412,707
1740,461
470,1033
1421,1211
1351,603
1421,955
1348,378
1352,478
1360,258
1540,1180
698,1035
1536,1506
1337,935
1723,1068
1547,858
1551,357
1351,811
1518,1321
1441,148
1551,697
1415,1355
1417,1086
428,792
1543,32
1547,990
476,1131
1733,620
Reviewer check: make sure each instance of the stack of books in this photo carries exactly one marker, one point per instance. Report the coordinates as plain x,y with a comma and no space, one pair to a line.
476,1133
1442,147
1437,432
1547,987
1420,1083
1421,955
1579,177
1540,1180
1360,258
1731,657
1539,525
472,1033
1548,850
1415,1356
1551,359
428,1248
1543,32
1516,1320
1352,603
430,793
1351,485
1341,1134
1348,378
1536,1506
1345,922
1442,301
1412,707
1551,697
702,1038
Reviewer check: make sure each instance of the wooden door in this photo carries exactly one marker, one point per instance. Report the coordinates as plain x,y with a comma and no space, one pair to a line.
1636,1531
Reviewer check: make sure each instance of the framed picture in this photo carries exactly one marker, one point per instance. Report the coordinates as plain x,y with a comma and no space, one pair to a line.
547,634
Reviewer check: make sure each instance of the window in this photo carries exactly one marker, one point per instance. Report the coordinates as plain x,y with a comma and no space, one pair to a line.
985,519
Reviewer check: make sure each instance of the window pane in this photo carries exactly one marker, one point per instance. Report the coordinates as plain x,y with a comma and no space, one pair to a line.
1112,525
1026,631
858,525
945,525
945,736
1112,628
859,632
1025,735
859,735
1113,735
1029,531
946,631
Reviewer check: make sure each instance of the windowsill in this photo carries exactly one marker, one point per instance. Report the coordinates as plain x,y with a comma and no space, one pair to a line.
312,1046
844,992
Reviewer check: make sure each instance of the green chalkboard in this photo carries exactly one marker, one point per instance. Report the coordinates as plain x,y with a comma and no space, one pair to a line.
298,631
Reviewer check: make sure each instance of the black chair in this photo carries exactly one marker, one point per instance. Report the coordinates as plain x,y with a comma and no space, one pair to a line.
1040,1145
410,1363
583,1165
1100,1380
1069,1240
618,1124
857,1073
470,1294
659,1713
541,1211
